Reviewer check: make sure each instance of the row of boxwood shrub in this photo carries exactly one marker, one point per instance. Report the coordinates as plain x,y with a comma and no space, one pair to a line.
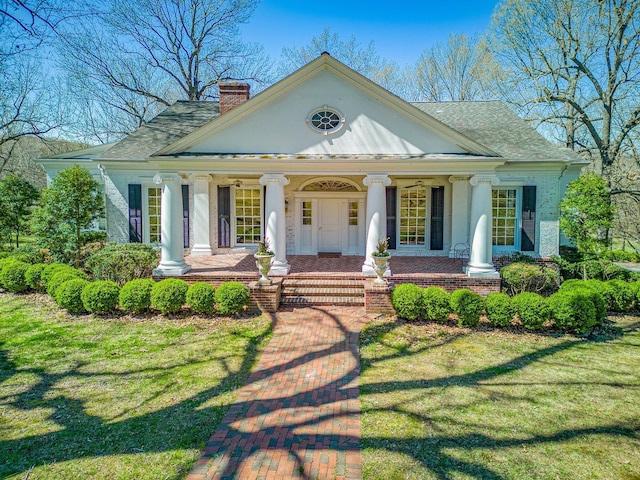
576,307
71,289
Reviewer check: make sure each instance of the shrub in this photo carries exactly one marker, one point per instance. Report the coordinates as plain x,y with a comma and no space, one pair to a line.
573,310
100,296
169,295
526,277
33,276
231,297
123,262
135,296
636,288
30,254
69,295
468,306
532,309
499,309
12,276
592,289
406,299
619,295
51,269
201,298
60,277
436,304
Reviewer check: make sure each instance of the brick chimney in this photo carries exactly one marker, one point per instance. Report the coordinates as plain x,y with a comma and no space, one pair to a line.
232,94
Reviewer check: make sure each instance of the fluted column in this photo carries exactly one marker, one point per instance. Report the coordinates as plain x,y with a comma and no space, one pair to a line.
459,212
481,261
171,225
376,217
201,216
275,228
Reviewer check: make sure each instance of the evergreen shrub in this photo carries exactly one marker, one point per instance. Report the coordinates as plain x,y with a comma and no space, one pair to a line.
100,296
619,295
12,276
436,304
60,276
121,262
169,295
231,297
521,277
499,309
68,295
468,306
532,309
33,276
573,310
407,300
201,298
135,295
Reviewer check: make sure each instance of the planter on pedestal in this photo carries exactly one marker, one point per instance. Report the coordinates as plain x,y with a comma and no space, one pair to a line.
381,266
263,262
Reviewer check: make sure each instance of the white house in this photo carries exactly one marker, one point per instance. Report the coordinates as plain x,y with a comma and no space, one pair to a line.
328,161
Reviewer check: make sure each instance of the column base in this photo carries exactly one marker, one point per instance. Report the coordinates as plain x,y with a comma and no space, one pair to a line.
279,268
201,250
481,271
171,269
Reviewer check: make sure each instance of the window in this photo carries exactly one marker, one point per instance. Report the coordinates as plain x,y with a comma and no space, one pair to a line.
248,205
353,213
413,209
306,213
154,202
505,219
325,120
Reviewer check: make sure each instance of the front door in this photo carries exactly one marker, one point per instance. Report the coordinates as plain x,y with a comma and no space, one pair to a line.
330,225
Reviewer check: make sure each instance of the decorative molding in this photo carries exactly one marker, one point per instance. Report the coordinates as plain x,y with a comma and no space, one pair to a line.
278,178
458,178
492,179
371,179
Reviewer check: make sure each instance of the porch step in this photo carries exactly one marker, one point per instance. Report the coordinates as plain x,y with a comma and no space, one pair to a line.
314,291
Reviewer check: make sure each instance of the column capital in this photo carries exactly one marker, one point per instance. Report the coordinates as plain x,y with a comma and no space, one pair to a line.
458,178
371,179
278,178
202,177
160,178
484,178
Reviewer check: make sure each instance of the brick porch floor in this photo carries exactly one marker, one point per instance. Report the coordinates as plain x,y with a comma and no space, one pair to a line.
298,416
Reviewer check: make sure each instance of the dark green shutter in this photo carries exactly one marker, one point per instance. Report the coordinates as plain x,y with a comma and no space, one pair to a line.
437,218
185,215
224,217
135,213
528,233
391,215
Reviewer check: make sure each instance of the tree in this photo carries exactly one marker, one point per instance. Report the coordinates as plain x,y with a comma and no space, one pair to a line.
68,206
463,69
142,55
586,213
363,59
17,196
575,68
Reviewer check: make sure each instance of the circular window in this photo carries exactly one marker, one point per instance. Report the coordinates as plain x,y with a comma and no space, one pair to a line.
325,120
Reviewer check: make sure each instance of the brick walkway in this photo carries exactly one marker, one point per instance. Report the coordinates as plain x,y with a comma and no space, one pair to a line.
298,416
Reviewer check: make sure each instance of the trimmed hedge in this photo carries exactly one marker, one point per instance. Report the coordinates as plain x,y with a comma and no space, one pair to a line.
231,297
468,306
58,278
499,309
592,289
135,296
53,268
521,277
532,309
407,299
619,295
12,276
169,295
122,262
100,296
69,295
573,310
33,276
201,298
436,304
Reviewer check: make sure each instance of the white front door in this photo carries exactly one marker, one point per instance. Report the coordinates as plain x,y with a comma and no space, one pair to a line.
330,225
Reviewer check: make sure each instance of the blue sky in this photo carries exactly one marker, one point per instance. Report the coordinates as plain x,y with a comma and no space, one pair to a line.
401,30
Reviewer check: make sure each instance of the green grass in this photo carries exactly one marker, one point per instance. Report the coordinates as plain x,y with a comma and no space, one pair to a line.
84,397
441,402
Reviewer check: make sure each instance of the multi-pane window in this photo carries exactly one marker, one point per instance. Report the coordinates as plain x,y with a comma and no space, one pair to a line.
306,213
248,215
413,210
154,201
353,213
504,203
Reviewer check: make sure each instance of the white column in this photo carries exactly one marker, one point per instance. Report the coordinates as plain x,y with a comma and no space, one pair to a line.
459,212
201,216
171,226
481,261
376,217
275,228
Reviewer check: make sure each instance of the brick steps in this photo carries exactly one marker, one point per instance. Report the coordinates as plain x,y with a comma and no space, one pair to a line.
322,291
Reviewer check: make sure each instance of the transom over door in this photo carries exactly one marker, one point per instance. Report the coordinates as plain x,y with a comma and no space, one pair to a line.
330,225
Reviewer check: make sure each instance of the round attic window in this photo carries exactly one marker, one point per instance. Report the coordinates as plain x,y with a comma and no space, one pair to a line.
325,120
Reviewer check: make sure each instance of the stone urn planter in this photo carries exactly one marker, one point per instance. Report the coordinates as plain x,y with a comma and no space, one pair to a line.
381,266
263,262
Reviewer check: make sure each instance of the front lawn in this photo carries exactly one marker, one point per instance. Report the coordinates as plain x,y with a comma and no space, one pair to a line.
84,397
441,402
